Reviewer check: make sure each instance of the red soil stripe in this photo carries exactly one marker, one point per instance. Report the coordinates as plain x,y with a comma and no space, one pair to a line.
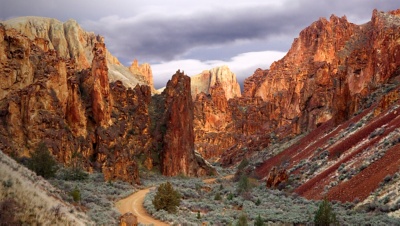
362,133
313,183
362,184
299,150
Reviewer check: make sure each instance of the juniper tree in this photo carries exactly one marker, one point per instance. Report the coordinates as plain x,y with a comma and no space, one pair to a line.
325,215
166,198
42,162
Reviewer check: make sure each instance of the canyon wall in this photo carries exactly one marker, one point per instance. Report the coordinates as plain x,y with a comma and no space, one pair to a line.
70,41
327,75
72,109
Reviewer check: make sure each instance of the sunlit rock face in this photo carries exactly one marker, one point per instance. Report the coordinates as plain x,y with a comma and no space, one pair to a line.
70,41
178,155
327,74
203,83
70,106
329,69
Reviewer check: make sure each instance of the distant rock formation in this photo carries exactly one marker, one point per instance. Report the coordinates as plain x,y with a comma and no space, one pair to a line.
178,153
70,41
144,71
207,79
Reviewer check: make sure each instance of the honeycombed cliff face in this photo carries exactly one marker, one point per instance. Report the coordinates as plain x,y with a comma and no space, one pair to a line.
52,99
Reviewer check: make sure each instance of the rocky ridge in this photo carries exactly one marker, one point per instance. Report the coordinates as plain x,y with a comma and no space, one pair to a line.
176,133
75,110
346,108
327,75
70,41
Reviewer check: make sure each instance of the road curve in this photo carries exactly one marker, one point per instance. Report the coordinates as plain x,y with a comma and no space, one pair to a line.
134,204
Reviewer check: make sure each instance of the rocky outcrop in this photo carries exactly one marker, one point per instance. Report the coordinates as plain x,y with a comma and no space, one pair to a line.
176,125
329,69
207,79
72,110
101,99
276,177
144,71
326,76
231,129
70,41
351,147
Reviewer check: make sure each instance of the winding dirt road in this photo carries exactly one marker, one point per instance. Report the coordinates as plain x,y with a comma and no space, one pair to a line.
134,204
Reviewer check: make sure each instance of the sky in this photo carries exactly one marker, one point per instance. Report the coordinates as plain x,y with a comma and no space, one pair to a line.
196,35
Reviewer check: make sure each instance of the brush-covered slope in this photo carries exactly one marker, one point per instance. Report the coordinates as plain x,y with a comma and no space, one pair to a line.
30,200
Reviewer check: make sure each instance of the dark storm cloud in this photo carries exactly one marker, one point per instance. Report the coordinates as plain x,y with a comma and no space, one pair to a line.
166,36
158,30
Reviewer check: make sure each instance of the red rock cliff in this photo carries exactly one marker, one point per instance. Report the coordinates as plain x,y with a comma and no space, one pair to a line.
327,74
71,110
178,156
101,98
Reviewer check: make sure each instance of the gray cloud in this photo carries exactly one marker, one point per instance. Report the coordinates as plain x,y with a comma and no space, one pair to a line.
156,36
156,30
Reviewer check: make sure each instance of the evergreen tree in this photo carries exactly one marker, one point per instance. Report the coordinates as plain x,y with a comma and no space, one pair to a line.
243,184
166,198
325,215
42,162
259,221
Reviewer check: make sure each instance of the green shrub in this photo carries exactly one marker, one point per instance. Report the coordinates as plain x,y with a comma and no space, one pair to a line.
325,215
242,220
166,198
230,196
42,162
76,194
259,221
243,184
217,196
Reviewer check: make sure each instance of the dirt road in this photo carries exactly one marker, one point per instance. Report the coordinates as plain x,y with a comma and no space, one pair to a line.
134,204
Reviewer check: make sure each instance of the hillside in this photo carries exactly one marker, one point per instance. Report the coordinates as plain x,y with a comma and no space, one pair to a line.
348,148
30,199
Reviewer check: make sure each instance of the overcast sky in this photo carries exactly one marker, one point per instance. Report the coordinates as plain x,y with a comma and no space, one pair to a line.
196,35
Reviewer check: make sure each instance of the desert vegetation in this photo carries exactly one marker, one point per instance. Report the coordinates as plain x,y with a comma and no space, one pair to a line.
257,205
93,194
28,199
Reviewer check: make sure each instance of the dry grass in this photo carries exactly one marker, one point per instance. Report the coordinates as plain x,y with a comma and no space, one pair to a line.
39,200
